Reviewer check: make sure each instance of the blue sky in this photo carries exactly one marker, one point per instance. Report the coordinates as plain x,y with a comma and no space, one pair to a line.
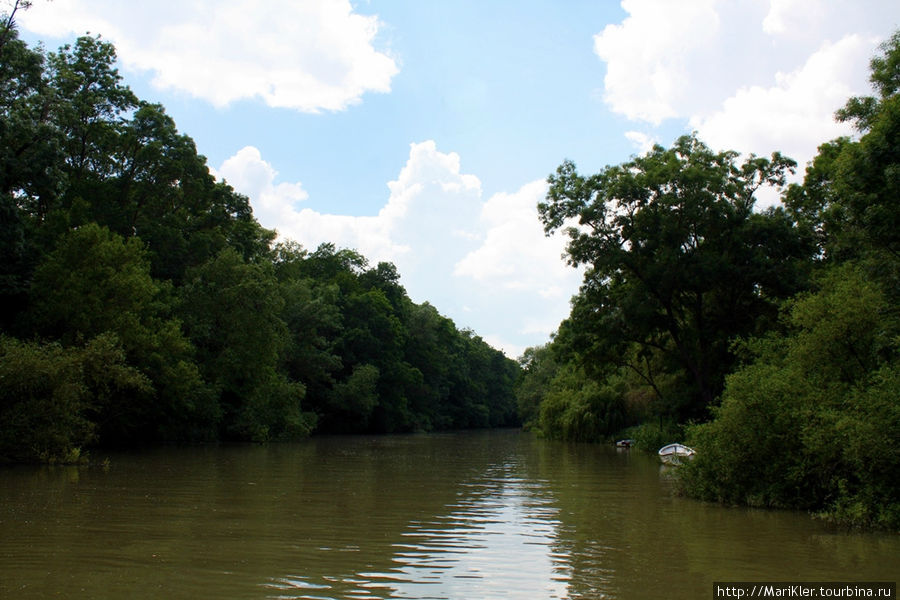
421,131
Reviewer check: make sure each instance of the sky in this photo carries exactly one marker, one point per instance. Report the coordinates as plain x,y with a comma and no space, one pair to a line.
421,132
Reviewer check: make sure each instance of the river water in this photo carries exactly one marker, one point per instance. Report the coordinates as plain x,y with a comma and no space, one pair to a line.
458,516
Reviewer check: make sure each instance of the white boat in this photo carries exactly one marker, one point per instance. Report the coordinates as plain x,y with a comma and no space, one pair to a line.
675,454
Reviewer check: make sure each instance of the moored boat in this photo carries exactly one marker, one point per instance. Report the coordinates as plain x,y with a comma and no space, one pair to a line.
675,454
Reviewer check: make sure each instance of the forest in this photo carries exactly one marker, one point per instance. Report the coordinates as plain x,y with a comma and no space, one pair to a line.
768,340
143,303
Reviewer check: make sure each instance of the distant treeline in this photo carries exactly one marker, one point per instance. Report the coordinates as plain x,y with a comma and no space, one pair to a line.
769,340
142,302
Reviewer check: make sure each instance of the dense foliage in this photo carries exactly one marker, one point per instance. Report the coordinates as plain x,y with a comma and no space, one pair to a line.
818,404
770,340
143,302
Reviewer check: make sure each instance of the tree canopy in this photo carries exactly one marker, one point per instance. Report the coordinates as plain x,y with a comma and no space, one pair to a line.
119,249
768,340
678,261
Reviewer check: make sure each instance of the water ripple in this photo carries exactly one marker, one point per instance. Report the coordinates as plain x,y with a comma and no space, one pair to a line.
494,544
499,539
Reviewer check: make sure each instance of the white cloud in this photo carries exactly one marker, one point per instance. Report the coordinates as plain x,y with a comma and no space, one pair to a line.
431,205
786,16
796,114
511,349
247,171
750,75
642,142
487,264
277,206
515,253
648,56
309,55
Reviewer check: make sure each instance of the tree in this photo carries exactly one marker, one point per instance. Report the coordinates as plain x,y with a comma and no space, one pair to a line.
353,401
7,28
579,409
677,260
30,153
29,164
232,313
850,191
813,421
50,396
91,106
539,367
96,282
431,346
161,190
868,178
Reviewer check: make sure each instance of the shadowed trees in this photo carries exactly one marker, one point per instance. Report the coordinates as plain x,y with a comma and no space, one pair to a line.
769,340
120,249
678,261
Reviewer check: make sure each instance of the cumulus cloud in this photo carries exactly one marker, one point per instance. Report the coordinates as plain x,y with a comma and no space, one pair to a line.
786,16
649,56
515,254
279,206
426,218
489,260
248,172
796,113
308,55
747,75
642,142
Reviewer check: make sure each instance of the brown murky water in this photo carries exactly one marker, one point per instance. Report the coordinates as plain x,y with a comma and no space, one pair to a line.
457,516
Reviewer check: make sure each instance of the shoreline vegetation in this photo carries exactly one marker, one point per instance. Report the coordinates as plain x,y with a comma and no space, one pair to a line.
769,341
143,303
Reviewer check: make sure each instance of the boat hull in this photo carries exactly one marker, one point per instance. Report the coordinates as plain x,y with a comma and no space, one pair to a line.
675,454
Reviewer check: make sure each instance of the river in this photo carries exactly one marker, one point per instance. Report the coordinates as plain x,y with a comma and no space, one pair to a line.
471,515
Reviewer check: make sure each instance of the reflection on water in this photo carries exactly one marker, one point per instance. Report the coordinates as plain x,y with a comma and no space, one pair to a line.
495,541
454,516
499,540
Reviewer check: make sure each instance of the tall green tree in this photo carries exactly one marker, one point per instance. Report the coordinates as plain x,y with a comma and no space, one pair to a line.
850,191
30,159
431,344
91,106
314,323
232,313
678,261
30,152
161,190
539,368
80,147
96,282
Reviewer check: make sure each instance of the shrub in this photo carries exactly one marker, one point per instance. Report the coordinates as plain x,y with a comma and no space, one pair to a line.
579,409
48,394
652,436
814,421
